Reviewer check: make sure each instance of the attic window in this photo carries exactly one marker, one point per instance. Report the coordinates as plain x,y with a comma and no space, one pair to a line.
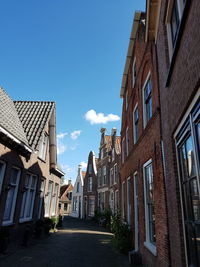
43,146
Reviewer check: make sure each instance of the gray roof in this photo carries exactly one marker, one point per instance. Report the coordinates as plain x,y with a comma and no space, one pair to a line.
34,116
9,119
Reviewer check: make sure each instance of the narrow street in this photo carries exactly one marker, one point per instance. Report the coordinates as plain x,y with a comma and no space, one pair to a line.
78,243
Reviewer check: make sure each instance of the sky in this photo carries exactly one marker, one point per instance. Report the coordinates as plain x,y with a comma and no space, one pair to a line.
73,53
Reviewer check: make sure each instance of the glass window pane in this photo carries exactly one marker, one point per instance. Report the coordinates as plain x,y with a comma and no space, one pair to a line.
190,157
9,203
195,199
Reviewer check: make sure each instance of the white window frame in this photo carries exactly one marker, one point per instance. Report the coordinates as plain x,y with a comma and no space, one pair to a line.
180,6
90,184
13,204
54,199
144,105
134,73
2,174
26,198
43,146
128,188
48,199
134,129
91,204
41,200
127,142
147,243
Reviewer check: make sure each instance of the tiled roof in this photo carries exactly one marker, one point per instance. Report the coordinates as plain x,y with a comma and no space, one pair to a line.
9,119
34,116
63,189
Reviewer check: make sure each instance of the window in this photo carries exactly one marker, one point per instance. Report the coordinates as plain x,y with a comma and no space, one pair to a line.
113,154
12,189
75,206
115,174
41,200
90,168
135,124
126,95
43,146
91,205
54,200
127,142
112,201
99,177
188,152
173,20
134,73
116,200
104,175
128,201
2,172
28,198
111,176
123,200
147,94
89,183
48,199
101,153
77,188
149,207
123,147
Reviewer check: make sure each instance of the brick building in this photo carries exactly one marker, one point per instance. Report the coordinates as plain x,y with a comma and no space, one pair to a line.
177,40
90,187
65,201
29,176
108,171
143,200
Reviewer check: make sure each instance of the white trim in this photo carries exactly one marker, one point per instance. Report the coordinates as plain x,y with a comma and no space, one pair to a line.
2,174
147,243
14,199
144,109
186,116
128,187
136,214
134,135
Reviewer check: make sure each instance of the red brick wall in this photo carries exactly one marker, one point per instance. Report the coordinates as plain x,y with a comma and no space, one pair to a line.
147,147
175,99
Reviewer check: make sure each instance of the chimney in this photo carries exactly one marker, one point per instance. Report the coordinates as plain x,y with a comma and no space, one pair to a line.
79,169
69,181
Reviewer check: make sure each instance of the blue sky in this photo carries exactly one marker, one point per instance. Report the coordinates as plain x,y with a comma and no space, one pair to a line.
73,53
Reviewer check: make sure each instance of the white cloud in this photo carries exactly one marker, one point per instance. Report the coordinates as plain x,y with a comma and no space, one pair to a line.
66,168
75,134
84,164
61,135
97,118
74,147
61,148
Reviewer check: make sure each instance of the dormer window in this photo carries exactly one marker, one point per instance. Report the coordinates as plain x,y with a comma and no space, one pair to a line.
134,73
43,146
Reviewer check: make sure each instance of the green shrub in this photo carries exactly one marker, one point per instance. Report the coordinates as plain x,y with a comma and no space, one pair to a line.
122,233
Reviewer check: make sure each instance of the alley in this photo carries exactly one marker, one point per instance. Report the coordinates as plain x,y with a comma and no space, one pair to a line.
78,243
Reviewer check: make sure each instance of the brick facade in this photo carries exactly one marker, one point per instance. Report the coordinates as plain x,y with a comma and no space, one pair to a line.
143,148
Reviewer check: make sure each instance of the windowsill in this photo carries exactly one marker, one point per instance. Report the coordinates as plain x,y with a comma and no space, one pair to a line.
177,42
7,223
151,248
23,220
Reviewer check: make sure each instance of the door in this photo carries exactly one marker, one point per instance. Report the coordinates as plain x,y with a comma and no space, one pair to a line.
136,212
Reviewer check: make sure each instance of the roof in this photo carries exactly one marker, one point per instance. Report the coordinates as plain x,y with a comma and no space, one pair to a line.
135,25
63,189
34,116
9,119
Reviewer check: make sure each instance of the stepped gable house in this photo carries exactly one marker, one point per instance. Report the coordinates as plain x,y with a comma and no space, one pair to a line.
90,187
142,178
29,177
